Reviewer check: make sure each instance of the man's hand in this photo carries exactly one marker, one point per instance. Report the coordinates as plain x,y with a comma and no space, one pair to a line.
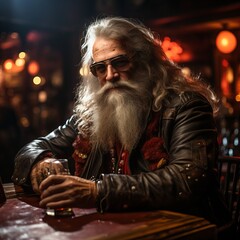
42,170
67,191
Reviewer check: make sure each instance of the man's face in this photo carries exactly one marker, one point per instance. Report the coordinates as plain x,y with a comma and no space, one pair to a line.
124,97
110,61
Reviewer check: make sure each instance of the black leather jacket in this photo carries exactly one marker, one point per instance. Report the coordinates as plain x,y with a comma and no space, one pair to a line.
187,184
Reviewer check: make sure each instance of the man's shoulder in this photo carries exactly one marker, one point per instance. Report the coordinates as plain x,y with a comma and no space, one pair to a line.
184,100
176,100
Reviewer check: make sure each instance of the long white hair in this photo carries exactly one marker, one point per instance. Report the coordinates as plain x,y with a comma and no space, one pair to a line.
163,75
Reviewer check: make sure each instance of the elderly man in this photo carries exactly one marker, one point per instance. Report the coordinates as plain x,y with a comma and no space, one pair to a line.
142,134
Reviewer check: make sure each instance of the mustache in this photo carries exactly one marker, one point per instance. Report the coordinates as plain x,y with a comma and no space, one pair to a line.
120,84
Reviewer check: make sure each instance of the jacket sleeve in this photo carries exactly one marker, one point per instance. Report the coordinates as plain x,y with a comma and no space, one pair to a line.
190,135
58,143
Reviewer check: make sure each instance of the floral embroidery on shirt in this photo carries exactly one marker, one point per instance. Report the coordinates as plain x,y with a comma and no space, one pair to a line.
153,149
154,152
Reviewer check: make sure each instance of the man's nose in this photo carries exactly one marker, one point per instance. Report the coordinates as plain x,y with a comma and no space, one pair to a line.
112,74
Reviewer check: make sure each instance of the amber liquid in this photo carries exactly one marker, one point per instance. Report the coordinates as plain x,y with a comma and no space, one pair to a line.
59,212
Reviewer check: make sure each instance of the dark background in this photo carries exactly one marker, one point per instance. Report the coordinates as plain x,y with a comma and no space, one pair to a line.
50,31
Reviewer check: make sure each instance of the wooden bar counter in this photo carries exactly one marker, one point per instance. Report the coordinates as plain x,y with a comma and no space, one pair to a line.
22,218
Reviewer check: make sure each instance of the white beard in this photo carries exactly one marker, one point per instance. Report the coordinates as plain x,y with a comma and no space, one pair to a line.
121,114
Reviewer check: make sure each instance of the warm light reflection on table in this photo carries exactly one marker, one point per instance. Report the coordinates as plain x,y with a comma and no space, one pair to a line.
21,218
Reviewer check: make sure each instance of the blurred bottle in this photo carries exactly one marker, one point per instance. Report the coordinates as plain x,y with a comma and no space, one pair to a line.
224,138
235,140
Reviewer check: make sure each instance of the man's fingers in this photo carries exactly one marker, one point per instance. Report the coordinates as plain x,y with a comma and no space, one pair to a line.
51,181
40,171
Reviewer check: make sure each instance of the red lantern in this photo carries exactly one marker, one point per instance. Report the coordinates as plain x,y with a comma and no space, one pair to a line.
226,42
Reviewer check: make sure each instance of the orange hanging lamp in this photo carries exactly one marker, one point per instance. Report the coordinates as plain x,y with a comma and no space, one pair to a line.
226,41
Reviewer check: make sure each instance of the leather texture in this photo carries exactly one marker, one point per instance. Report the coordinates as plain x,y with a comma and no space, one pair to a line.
188,183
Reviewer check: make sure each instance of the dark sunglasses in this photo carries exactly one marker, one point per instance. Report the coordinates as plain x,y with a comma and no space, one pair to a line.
120,63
